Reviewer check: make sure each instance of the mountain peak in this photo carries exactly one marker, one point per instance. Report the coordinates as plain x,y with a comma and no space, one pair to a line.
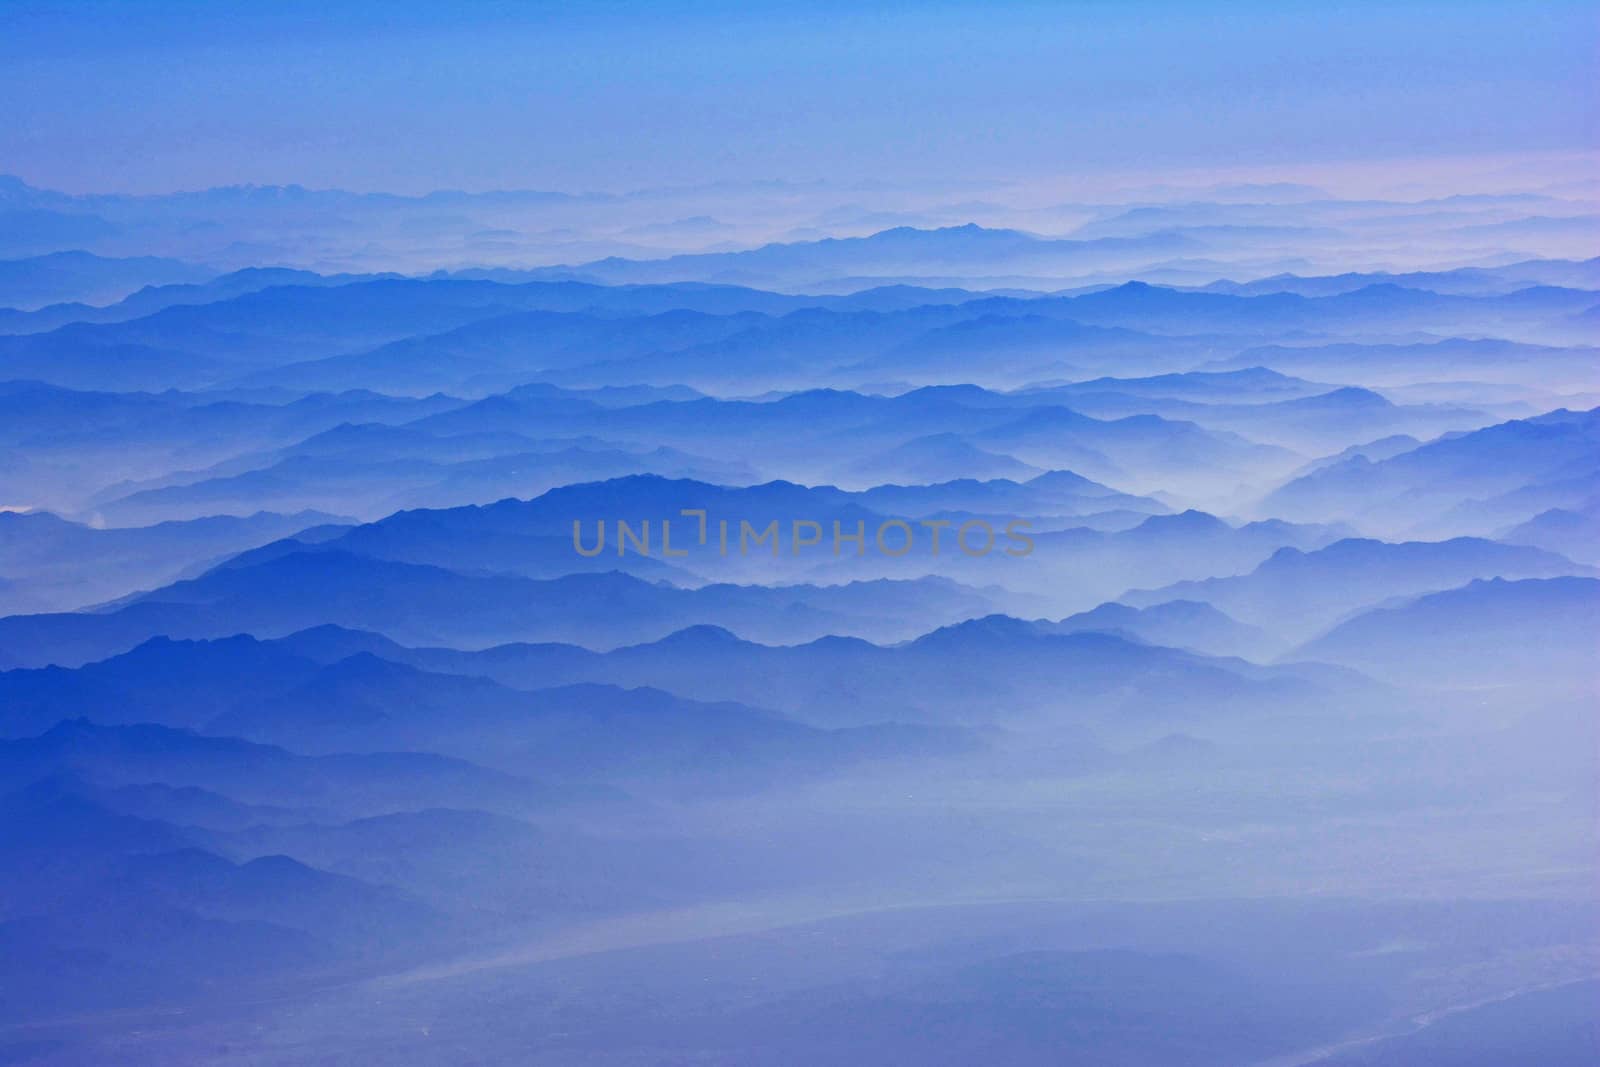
1191,521
985,629
700,636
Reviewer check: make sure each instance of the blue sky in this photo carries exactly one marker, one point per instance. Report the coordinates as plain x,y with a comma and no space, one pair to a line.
409,97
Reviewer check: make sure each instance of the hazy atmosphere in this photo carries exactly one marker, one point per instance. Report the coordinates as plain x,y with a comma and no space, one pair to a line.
789,534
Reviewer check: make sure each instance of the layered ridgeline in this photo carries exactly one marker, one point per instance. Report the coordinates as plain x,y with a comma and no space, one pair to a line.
837,644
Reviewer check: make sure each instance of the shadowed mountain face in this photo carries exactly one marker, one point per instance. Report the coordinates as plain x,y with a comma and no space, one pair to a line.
851,622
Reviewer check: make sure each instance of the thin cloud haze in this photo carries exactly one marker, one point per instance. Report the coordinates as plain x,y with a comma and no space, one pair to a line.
623,534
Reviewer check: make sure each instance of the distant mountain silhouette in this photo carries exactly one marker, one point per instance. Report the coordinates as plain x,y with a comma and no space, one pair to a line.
1176,623
1574,534
995,669
1293,594
419,603
131,755
1387,364
55,564
1534,634
85,278
1426,482
889,253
